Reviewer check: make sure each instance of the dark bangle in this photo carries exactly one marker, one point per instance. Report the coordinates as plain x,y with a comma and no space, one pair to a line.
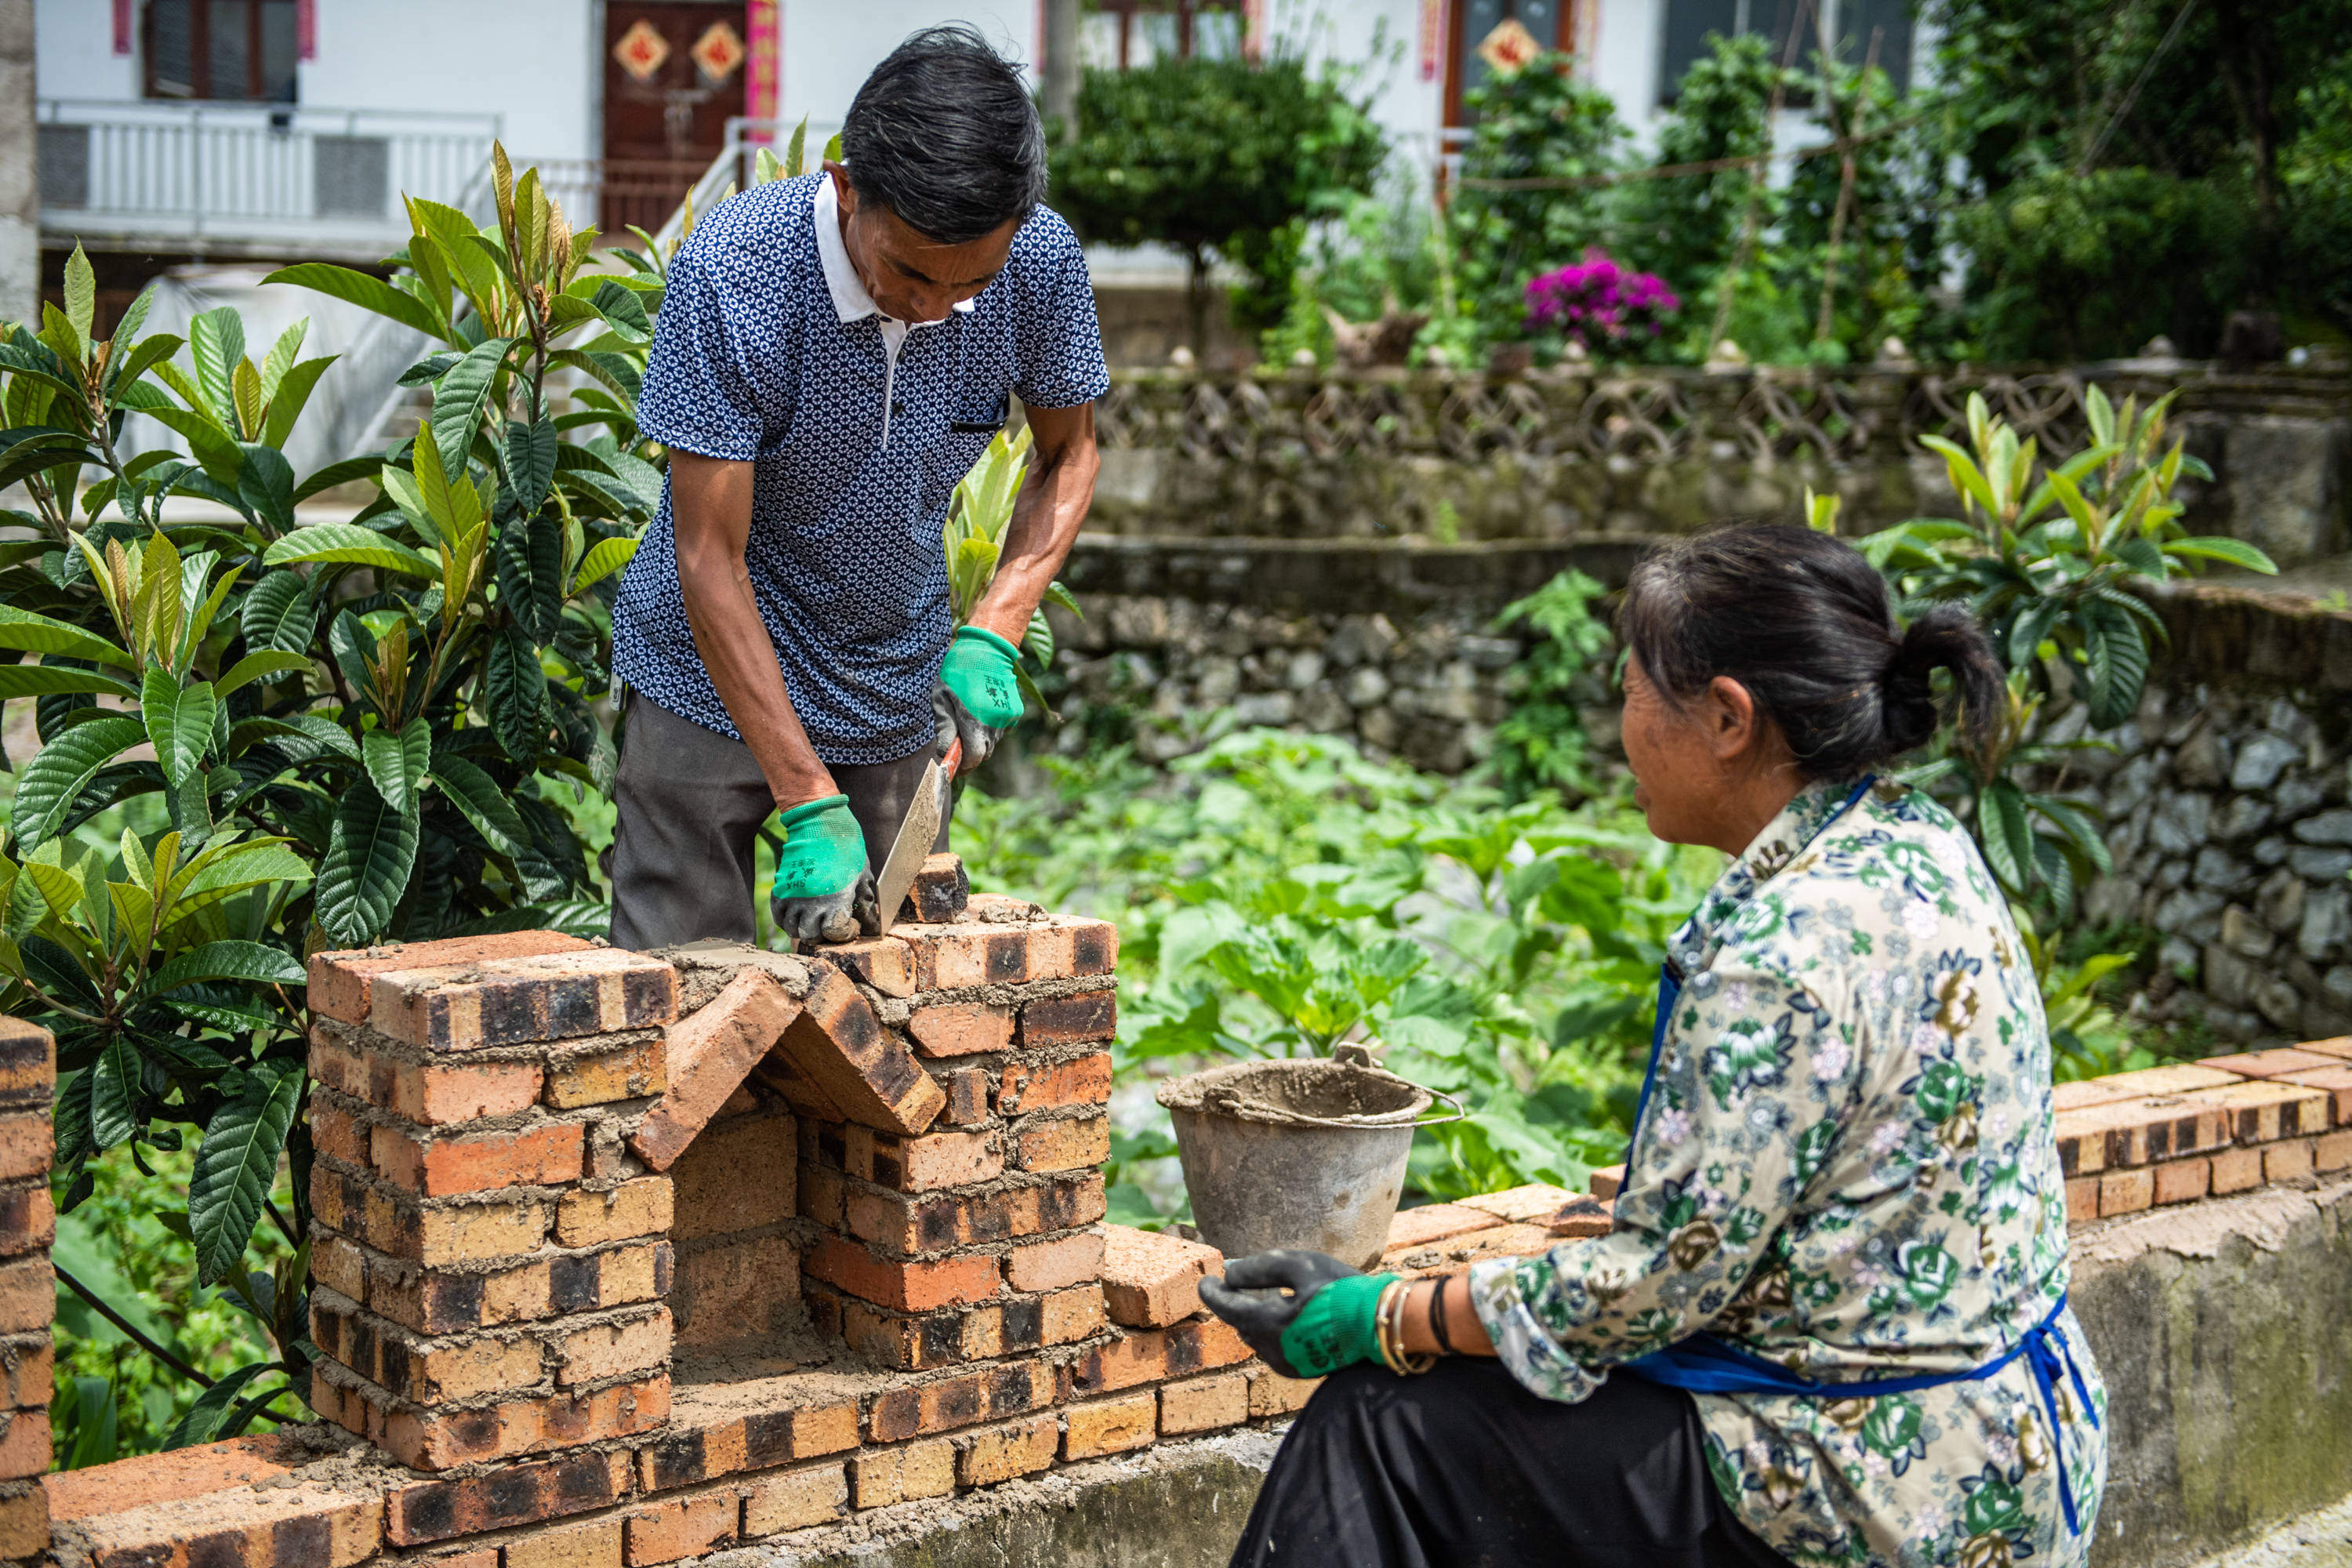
1437,1318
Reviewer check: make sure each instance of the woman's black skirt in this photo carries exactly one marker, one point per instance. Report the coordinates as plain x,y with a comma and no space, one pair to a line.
1465,1469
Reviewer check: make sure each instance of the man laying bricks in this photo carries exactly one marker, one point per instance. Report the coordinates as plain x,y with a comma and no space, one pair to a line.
834,354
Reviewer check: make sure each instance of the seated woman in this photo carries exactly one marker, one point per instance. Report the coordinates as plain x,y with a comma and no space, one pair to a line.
1835,1294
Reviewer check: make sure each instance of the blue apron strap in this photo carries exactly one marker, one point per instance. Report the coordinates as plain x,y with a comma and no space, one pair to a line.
1709,1363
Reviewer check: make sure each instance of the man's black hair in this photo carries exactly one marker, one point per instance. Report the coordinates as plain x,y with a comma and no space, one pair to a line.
943,134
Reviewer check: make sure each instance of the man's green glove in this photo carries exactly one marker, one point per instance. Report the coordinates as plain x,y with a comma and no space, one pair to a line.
981,670
1305,1313
823,890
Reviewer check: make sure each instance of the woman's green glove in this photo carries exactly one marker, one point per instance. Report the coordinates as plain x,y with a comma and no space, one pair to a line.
1305,1314
980,672
820,871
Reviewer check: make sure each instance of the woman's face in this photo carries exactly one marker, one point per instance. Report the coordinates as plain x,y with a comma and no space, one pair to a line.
1676,771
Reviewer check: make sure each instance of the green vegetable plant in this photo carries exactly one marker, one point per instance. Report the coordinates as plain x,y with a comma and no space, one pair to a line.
973,539
1541,744
314,734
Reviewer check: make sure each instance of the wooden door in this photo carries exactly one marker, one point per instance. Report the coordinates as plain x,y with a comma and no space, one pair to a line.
1500,30
673,76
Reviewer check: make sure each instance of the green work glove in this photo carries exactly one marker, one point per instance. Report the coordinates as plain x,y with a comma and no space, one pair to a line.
1324,1322
980,669
823,889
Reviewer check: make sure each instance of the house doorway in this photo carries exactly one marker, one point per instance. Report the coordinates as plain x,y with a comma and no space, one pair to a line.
674,74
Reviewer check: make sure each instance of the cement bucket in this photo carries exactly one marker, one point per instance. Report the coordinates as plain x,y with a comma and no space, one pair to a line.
1304,1153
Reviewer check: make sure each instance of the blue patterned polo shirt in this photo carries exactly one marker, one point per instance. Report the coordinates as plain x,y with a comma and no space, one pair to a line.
768,350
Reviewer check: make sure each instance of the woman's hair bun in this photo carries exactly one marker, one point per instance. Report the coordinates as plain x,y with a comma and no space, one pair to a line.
1942,637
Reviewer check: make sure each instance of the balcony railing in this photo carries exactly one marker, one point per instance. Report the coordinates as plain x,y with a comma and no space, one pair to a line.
278,177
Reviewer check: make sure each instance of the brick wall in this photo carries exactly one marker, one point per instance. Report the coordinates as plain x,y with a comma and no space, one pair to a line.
28,1292
599,1285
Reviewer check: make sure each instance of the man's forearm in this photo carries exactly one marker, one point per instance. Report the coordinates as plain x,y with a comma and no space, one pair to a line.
1045,523
729,634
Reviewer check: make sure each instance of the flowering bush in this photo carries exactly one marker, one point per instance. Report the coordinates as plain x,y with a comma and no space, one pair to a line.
1599,303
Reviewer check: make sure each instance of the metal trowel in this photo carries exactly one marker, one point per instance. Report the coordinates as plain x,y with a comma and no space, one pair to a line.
917,833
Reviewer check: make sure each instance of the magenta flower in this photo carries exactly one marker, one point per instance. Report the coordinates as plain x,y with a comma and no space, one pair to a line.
1597,302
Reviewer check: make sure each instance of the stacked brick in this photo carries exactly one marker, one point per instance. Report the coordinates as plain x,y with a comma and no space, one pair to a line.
2140,1139
28,1080
489,1260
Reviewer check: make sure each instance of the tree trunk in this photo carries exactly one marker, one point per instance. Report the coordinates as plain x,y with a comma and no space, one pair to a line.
1061,64
2249,66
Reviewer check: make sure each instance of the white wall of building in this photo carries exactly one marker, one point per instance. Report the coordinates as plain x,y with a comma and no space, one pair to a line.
829,45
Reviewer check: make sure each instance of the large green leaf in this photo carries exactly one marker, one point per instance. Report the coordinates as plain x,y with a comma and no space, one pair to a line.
259,666
360,288
370,850
2118,659
46,786
349,543
235,1166
114,1092
529,558
210,1413
478,795
216,344
292,393
42,680
39,634
515,690
179,720
604,557
458,399
253,962
531,462
2236,551
397,762
623,311
81,295
278,613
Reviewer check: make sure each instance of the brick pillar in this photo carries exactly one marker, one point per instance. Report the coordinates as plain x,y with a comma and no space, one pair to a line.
29,1288
976,1239
489,1260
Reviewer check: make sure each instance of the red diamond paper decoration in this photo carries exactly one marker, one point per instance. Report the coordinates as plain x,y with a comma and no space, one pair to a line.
719,52
1508,46
641,50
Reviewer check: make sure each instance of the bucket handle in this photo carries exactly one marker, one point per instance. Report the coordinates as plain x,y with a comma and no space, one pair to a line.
1460,1112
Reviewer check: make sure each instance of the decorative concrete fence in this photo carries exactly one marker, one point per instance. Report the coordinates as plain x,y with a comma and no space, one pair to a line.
1561,453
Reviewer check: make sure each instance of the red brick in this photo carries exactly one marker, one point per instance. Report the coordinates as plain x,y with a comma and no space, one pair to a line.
335,1134
719,1429
1110,1426
1606,1181
1055,1264
28,1294
2287,1159
600,1077
2139,1131
2082,1199
1204,1403
24,1520
2269,1064
968,953
960,1028
28,1217
796,1499
739,1175
24,1444
1022,1449
2182,1181
909,1287
518,1001
1065,1317
1435,1222
1086,1080
613,1349
679,1527
642,1208
1272,1394
2332,1152
920,1165
30,1375
2336,1079
317,1525
2262,1111
442,1439
592,1543
445,1166
519,1494
27,1140
710,1055
967,1092
2125,1192
1157,1355
341,982
28,1063
439,1094
885,963
2236,1170
988,1394
1581,1217
820,1196
1151,1279
881,1477
940,893
2340,1047
866,1071
1063,1145
169,1476
1068,1020
738,1288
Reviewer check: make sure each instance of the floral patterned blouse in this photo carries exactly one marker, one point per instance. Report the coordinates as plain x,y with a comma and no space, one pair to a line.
1846,1166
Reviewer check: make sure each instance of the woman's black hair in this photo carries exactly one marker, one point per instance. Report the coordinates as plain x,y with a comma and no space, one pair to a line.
1803,622
944,134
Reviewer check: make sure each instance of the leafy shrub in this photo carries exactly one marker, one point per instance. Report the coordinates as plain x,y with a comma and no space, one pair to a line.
365,730
1541,744
1218,158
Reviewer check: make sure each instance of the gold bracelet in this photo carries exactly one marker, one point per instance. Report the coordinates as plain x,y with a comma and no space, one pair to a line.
1380,1326
1391,1307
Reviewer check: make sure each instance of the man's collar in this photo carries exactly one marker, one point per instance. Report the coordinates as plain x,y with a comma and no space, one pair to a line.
851,302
